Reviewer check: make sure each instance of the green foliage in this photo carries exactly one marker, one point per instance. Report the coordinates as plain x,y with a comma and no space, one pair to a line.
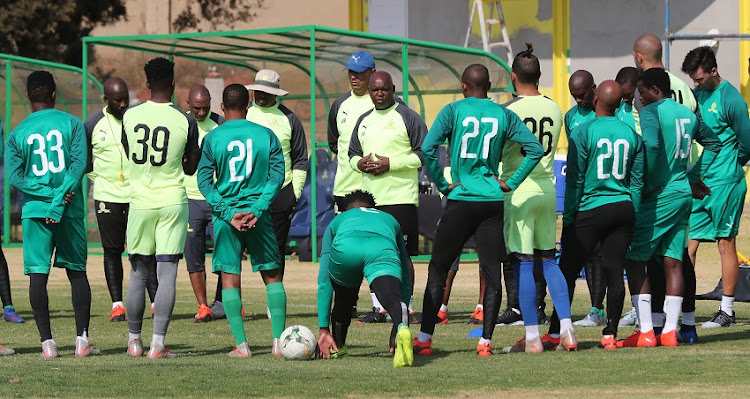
219,14
52,30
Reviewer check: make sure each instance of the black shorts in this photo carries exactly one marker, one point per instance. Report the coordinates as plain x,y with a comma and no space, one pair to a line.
406,216
199,221
112,218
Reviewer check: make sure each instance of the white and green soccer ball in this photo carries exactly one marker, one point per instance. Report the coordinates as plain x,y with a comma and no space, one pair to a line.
298,343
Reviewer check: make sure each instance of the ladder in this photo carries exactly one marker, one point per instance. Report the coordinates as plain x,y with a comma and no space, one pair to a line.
486,23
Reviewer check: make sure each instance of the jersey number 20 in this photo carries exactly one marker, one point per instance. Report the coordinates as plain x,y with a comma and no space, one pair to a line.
245,154
620,150
47,165
152,137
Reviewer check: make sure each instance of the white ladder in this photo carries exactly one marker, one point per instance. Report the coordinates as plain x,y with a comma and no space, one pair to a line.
485,24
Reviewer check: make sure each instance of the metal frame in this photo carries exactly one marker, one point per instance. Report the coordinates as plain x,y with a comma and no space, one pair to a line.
236,49
9,89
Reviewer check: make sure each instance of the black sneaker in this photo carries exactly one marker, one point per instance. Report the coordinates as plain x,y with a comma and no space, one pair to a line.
510,317
541,316
719,319
372,317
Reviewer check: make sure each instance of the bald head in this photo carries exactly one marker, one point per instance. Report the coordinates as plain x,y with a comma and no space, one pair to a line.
381,89
647,52
581,86
608,97
116,96
199,102
475,81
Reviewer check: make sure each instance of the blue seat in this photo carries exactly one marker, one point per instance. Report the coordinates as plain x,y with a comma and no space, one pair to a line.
301,220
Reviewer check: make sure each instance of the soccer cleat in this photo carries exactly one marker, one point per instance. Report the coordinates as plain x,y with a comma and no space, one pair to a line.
593,319
422,348
510,317
484,350
549,342
568,341
372,317
667,338
10,315
6,351
240,350
84,349
541,316
404,355
204,314
638,340
340,353
276,348
49,349
687,334
135,348
442,317
217,309
118,314
162,352
477,317
524,345
719,319
629,319
609,342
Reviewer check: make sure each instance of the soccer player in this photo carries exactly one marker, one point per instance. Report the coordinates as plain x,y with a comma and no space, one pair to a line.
582,87
383,261
268,112
46,161
386,146
248,163
647,53
662,218
199,212
602,190
9,312
161,143
717,217
107,168
627,77
477,130
530,214
342,118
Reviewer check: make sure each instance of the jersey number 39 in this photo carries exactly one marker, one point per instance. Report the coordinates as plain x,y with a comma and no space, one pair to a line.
47,165
152,137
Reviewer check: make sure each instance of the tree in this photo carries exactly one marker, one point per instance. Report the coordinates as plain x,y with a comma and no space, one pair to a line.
216,12
52,30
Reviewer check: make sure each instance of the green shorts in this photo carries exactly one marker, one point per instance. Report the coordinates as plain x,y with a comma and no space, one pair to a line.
661,228
530,221
353,258
718,215
259,242
67,239
157,231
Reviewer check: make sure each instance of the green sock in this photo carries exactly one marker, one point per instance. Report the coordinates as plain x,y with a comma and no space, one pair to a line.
8,307
233,309
277,306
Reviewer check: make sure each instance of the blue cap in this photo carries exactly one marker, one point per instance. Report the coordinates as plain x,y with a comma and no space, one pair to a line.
360,61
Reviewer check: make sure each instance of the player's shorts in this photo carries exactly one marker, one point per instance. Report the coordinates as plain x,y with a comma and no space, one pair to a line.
718,215
199,220
352,258
259,242
67,239
406,216
159,232
530,221
661,228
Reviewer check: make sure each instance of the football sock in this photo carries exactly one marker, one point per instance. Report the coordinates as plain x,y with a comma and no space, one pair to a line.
527,293
113,273
164,302
136,296
376,303
233,309
483,341
727,304
532,332
424,337
672,307
444,308
40,304
157,340
4,281
566,324
81,296
480,306
558,288
643,309
277,306
688,318
411,304
132,336
118,303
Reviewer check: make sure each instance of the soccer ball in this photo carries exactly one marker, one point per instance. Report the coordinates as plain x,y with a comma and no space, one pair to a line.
298,343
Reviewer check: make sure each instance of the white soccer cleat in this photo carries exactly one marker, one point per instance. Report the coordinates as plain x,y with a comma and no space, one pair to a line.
49,349
276,348
593,319
160,352
135,348
4,351
629,319
84,349
240,350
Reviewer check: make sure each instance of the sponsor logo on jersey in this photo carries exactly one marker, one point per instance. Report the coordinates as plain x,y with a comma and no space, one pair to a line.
713,108
103,208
